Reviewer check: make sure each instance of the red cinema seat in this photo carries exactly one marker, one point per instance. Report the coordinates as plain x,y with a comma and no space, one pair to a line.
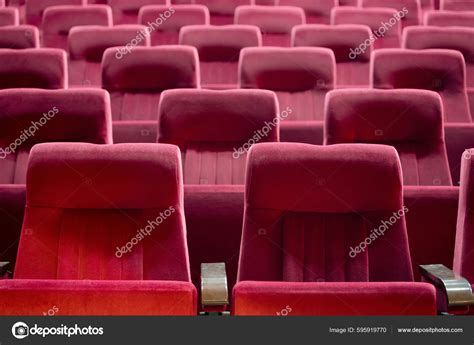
136,80
456,5
219,48
19,37
215,129
409,11
59,20
300,77
449,18
275,22
129,199
9,16
351,45
464,248
86,45
456,38
44,68
439,70
34,8
126,11
324,232
32,116
383,22
409,120
317,12
266,2
167,31
222,12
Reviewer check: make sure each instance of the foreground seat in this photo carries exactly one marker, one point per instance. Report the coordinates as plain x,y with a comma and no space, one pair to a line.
31,116
19,37
167,32
409,120
126,11
300,77
215,129
349,45
58,21
139,233
382,21
219,48
312,243
9,16
275,22
34,8
317,12
449,18
44,68
86,45
438,70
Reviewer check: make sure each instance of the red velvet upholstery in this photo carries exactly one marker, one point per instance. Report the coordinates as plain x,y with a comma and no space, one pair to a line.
58,21
44,68
97,297
34,8
72,115
456,38
300,77
86,45
9,16
222,12
352,68
136,81
409,120
459,137
317,12
89,199
19,37
219,48
456,5
438,70
306,207
126,11
431,224
275,22
464,249
210,126
449,18
333,299
410,8
378,19
168,31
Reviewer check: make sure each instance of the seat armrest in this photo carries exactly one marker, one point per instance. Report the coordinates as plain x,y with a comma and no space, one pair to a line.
214,292
5,269
454,293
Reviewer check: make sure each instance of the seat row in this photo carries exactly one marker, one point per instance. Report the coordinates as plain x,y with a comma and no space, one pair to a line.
330,239
126,12
300,76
